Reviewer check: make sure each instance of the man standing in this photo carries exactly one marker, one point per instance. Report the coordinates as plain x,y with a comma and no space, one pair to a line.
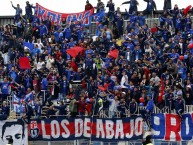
111,12
133,107
179,105
28,10
167,5
88,6
146,114
151,6
100,6
17,13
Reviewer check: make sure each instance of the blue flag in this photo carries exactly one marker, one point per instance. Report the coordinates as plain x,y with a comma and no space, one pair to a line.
29,45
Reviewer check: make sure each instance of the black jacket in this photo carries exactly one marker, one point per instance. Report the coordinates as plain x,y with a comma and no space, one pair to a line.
167,5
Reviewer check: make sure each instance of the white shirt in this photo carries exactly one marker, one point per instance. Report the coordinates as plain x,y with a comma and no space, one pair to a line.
39,65
49,63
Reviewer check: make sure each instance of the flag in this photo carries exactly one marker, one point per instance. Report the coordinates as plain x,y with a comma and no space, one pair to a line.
114,53
29,97
154,30
119,42
74,51
24,63
185,12
103,88
16,103
98,17
29,45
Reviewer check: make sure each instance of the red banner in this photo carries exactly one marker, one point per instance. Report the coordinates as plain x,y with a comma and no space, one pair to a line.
84,16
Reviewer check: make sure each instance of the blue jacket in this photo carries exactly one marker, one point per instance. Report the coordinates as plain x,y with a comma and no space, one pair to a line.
150,105
43,30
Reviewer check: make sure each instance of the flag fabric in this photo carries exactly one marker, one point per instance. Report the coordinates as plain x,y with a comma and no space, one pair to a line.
185,12
29,45
154,30
24,63
16,103
119,42
104,88
57,17
114,53
74,51
98,17
161,91
29,97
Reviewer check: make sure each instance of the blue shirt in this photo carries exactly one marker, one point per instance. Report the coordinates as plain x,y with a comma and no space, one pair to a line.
150,105
5,88
44,84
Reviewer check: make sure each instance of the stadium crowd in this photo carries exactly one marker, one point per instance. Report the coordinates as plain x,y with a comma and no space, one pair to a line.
154,65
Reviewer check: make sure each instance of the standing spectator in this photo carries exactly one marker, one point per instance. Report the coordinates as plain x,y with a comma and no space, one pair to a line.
146,114
133,5
29,112
111,11
28,33
151,6
18,12
112,106
133,107
100,6
88,6
28,11
81,106
122,107
180,106
48,23
73,107
167,5
5,89
155,83
43,29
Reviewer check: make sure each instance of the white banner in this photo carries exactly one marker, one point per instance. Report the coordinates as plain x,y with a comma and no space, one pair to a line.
15,129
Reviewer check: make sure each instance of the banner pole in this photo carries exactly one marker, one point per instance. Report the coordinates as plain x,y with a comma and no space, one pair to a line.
49,143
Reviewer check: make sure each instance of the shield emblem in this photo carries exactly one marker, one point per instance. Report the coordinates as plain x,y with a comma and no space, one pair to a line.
34,133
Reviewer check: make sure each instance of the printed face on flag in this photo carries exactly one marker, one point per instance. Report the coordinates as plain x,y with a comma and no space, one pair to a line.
17,137
15,130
